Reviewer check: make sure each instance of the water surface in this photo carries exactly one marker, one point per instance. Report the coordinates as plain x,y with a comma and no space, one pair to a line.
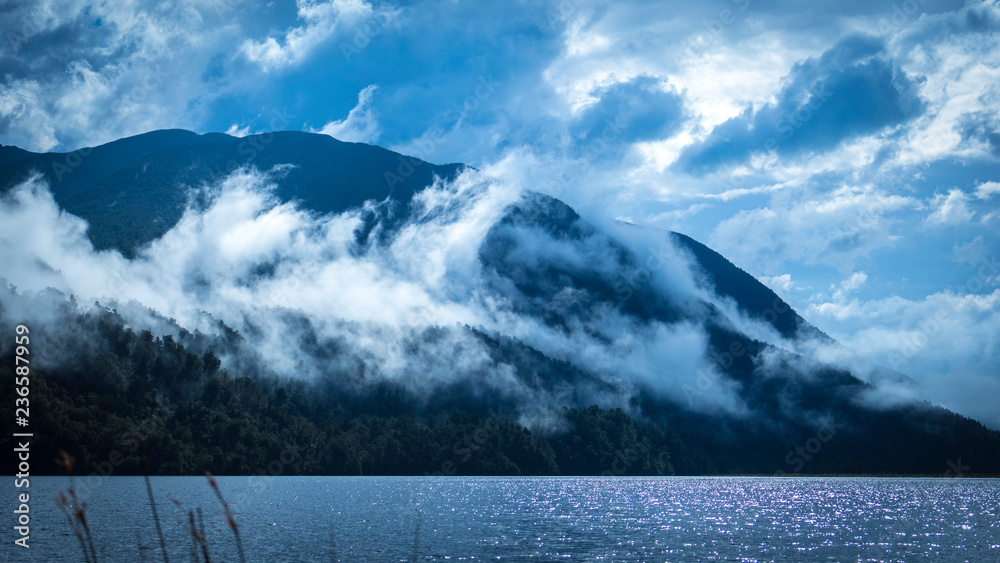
747,519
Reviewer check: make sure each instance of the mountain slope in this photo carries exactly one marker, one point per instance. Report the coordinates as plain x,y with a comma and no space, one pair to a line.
783,400
448,300
753,298
148,176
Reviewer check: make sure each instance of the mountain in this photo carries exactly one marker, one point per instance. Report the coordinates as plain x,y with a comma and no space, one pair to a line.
133,190
334,294
752,297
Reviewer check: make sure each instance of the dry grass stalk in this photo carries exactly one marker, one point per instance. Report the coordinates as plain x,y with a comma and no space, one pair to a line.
76,511
229,515
203,536
152,504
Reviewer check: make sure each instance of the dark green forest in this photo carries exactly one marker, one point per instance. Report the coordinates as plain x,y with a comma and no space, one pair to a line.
147,401
123,401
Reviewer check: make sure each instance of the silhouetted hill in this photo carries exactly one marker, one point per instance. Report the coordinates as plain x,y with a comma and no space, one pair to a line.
582,368
754,298
133,190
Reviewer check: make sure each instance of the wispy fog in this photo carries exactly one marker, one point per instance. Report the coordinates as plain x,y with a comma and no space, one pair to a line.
313,301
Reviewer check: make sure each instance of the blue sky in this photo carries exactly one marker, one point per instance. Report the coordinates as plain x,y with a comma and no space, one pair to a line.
846,153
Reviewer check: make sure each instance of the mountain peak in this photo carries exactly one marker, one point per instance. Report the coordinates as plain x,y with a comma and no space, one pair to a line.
563,314
151,174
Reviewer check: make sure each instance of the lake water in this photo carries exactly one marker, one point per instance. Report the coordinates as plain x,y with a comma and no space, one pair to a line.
521,519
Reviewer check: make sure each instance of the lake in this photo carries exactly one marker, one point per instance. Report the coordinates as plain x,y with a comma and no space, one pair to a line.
521,519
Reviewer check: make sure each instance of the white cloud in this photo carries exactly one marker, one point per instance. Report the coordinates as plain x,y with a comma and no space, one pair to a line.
780,284
956,67
951,209
137,71
19,104
322,21
361,124
378,301
970,252
153,67
236,131
946,341
855,281
374,304
986,190
835,228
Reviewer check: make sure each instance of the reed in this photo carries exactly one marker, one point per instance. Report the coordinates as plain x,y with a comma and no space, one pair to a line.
203,536
229,515
76,515
152,504
76,511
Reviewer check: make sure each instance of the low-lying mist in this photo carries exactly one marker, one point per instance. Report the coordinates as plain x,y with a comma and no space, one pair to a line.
314,300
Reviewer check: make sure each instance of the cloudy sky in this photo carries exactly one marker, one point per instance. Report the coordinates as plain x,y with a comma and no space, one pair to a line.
846,153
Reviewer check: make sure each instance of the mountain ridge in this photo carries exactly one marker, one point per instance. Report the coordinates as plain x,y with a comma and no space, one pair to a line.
167,162
591,324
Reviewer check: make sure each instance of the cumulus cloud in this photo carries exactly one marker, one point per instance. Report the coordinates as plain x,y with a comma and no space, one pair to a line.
986,190
361,124
946,341
956,55
641,109
951,209
781,284
980,128
94,73
850,90
314,305
855,281
835,229
322,20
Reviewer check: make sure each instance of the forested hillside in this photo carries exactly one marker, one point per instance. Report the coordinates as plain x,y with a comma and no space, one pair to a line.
128,400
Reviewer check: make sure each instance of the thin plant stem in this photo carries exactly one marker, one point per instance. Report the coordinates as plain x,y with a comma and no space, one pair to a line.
204,537
194,537
229,515
152,504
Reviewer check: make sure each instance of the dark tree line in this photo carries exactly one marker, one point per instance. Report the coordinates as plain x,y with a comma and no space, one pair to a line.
121,400
136,400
